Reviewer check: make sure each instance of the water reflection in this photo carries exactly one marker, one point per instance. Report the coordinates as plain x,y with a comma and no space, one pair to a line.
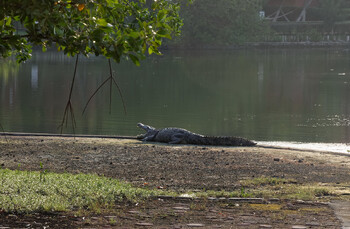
8,69
11,97
34,79
8,82
285,95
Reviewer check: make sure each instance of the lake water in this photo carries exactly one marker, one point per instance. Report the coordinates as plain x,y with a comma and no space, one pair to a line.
300,95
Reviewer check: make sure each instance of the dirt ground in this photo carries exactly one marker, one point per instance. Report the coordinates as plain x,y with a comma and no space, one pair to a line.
179,168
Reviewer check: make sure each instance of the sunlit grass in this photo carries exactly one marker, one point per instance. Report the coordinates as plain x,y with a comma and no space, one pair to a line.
280,188
24,191
27,191
266,181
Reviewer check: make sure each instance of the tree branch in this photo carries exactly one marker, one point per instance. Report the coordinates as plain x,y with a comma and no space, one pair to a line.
112,81
2,129
69,108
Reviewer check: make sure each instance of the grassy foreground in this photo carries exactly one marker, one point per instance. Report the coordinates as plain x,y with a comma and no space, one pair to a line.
25,191
41,191
280,188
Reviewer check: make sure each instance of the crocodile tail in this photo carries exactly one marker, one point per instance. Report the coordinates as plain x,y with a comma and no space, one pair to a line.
226,141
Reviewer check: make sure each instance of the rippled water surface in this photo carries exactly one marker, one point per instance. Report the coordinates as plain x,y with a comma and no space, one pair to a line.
300,95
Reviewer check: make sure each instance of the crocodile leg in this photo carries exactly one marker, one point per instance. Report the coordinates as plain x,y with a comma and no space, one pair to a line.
149,138
176,139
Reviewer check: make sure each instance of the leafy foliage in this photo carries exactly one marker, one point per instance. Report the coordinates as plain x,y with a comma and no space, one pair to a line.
113,28
331,11
222,21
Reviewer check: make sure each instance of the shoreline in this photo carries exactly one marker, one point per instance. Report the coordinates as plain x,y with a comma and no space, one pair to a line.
283,145
93,153
323,147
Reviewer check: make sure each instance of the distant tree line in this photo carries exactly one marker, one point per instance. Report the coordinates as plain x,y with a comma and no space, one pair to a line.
332,11
222,22
231,22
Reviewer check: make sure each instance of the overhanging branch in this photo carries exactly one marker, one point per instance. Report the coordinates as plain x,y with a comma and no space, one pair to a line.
112,81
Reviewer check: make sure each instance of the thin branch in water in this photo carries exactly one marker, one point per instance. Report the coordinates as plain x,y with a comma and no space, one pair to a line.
69,108
120,93
3,131
111,80
95,94
74,124
117,85
110,86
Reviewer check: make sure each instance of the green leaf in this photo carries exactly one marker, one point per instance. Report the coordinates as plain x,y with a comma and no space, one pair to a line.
134,34
8,21
134,59
101,22
164,33
97,35
150,51
161,15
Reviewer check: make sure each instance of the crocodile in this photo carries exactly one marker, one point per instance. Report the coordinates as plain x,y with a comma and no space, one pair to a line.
173,135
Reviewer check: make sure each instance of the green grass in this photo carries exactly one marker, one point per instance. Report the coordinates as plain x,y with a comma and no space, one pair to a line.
28,192
284,191
24,191
270,187
266,181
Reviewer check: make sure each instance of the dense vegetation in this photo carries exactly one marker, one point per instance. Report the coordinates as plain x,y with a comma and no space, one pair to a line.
331,11
113,28
230,22
132,28
222,22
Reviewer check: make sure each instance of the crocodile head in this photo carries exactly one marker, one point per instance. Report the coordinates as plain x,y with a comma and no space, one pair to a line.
145,127
150,132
